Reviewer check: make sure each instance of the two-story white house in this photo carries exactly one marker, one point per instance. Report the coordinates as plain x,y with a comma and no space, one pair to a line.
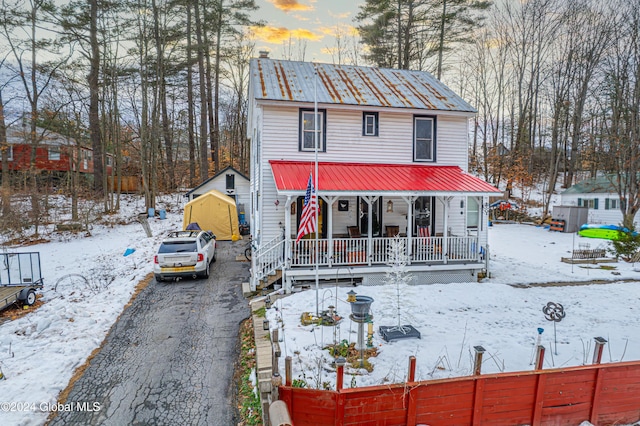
392,157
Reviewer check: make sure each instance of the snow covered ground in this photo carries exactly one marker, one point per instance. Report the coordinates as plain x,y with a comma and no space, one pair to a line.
452,318
88,282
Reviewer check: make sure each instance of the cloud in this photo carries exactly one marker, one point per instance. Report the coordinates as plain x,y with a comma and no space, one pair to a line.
343,15
339,29
279,34
289,5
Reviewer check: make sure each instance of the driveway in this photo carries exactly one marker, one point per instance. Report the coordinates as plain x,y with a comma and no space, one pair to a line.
169,359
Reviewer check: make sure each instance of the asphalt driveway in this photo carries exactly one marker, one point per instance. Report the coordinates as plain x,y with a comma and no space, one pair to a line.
169,359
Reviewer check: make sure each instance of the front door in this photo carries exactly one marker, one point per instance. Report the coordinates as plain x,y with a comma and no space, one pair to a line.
363,213
424,214
322,213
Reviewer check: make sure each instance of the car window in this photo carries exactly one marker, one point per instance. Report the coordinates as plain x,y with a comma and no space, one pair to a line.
178,247
205,238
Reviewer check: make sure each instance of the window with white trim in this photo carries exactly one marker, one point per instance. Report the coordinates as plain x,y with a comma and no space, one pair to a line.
369,124
54,153
592,203
424,139
9,151
308,130
473,210
611,203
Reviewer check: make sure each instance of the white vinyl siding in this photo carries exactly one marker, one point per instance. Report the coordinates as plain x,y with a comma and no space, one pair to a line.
277,138
605,216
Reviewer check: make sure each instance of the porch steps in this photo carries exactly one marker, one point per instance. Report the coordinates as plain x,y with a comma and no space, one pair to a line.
271,278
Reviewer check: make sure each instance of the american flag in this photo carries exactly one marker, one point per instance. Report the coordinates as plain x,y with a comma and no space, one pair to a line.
308,217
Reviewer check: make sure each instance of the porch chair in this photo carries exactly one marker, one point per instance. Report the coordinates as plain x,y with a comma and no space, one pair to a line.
424,248
392,230
354,232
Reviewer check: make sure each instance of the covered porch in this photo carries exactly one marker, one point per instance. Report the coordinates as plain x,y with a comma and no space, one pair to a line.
436,213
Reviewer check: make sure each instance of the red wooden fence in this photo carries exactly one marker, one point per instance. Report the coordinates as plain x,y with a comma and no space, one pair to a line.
604,394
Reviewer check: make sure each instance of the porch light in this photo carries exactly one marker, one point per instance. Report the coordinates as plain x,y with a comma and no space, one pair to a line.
389,206
265,325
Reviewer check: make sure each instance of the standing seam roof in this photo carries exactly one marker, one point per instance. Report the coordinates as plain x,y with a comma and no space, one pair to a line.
352,85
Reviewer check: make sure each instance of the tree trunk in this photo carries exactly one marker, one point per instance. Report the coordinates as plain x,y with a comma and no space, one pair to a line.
190,109
204,163
4,151
94,118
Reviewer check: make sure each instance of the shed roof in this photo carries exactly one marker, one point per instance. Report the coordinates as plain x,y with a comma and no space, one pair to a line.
226,169
280,80
599,184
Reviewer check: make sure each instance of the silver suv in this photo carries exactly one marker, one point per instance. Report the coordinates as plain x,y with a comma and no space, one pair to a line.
185,254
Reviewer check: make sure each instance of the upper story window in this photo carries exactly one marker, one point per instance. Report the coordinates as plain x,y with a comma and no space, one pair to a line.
424,143
308,130
54,153
109,160
611,203
9,151
230,181
370,124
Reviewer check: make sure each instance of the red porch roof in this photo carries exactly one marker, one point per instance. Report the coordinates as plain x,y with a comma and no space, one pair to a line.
343,177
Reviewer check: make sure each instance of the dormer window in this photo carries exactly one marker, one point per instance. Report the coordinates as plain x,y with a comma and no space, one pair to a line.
370,124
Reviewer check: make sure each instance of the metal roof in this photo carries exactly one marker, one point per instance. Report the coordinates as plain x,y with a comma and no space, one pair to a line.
280,80
599,184
293,176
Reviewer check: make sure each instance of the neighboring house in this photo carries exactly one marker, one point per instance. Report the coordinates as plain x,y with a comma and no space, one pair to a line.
54,152
600,195
393,155
228,181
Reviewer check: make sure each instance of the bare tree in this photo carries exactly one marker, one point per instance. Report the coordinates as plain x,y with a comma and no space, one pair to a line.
622,110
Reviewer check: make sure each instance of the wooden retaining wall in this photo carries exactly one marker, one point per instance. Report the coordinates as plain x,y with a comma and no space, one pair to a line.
604,394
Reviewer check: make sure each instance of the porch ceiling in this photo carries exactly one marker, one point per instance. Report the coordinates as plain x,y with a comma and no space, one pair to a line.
392,179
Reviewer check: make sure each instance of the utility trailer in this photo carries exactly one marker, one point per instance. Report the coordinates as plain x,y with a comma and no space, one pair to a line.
20,277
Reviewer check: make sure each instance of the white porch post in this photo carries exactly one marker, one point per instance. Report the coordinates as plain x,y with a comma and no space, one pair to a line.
370,201
445,232
409,201
330,201
287,245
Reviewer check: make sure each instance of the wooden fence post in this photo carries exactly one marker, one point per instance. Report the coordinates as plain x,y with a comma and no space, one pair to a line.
340,362
411,377
597,351
287,371
540,357
477,363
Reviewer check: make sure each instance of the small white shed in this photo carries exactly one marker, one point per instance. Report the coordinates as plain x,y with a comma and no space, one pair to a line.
228,181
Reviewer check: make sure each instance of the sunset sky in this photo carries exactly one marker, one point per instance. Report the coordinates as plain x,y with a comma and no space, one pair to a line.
291,23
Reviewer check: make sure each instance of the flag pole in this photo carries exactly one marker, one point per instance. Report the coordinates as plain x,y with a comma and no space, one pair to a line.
315,136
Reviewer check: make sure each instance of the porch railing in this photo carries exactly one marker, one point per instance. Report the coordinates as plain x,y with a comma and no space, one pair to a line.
355,251
267,259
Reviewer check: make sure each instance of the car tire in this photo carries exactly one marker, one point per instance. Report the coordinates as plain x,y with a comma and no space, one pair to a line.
206,272
159,278
31,298
213,259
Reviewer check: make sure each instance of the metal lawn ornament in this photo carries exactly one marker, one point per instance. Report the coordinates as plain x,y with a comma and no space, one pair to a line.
554,312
